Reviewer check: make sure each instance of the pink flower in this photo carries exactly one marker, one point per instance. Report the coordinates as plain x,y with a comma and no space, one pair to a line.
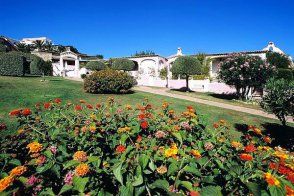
160,134
32,180
69,177
53,149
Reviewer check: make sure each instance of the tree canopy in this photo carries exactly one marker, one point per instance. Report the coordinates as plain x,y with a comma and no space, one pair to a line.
95,65
123,64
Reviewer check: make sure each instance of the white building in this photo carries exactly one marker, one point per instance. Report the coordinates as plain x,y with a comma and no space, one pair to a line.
30,41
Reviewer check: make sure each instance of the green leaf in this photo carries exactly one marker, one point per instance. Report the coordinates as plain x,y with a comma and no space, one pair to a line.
161,184
188,185
254,188
172,169
96,161
143,160
65,188
192,170
47,192
44,168
211,190
151,165
138,180
71,163
178,136
79,183
237,169
23,180
117,173
208,179
14,162
123,138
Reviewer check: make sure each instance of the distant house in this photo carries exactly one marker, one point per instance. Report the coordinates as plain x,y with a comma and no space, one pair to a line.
30,41
9,43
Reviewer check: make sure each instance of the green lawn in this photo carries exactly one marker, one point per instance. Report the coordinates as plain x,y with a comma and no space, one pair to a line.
221,98
20,92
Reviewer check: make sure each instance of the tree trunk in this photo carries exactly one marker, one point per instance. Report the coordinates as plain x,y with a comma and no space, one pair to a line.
187,83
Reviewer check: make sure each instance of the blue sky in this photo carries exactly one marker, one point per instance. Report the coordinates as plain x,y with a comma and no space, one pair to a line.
120,28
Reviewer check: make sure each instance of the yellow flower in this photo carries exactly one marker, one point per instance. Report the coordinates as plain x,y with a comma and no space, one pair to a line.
17,171
82,169
80,156
35,147
196,153
93,129
161,170
281,155
271,180
267,148
236,144
20,131
124,129
170,152
93,117
128,107
105,164
5,182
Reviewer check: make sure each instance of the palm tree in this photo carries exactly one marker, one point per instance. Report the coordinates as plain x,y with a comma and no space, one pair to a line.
39,44
23,47
49,47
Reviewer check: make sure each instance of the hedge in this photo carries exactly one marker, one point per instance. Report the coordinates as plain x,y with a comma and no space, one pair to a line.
11,64
286,74
95,65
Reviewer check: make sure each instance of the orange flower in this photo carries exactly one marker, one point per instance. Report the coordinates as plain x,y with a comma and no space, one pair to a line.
14,112
139,139
246,157
20,131
271,180
93,129
17,171
80,156
35,147
289,191
250,148
78,107
196,153
82,101
26,112
84,129
82,169
267,139
216,125
128,107
5,182
120,149
222,121
257,131
144,124
165,105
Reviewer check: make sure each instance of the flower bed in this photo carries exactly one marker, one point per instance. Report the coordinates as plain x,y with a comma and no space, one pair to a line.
109,149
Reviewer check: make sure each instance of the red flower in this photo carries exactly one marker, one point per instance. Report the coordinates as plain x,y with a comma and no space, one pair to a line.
215,125
246,157
142,116
57,100
38,105
148,106
120,149
2,127
193,193
89,106
139,139
26,112
144,124
47,105
190,107
14,112
98,105
250,148
78,107
267,139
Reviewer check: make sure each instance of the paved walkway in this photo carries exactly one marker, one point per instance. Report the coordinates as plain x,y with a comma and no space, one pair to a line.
163,92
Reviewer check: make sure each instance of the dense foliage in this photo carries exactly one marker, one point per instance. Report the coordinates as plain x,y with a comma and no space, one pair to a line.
123,64
144,53
11,64
95,65
278,60
246,73
202,58
3,48
163,73
187,66
279,98
109,81
286,74
109,149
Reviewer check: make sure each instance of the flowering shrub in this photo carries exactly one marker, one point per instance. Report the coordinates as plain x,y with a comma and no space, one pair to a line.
245,73
109,149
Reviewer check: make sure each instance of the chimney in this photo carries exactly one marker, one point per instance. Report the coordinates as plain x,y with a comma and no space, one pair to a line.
179,52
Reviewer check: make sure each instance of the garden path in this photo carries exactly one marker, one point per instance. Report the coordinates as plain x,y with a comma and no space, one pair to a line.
162,91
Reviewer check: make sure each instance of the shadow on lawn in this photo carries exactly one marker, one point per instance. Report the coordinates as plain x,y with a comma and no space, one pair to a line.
230,96
283,136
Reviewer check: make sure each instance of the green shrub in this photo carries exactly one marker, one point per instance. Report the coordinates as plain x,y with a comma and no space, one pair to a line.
11,64
286,74
35,66
163,73
123,64
278,60
187,66
3,48
279,98
108,81
95,65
